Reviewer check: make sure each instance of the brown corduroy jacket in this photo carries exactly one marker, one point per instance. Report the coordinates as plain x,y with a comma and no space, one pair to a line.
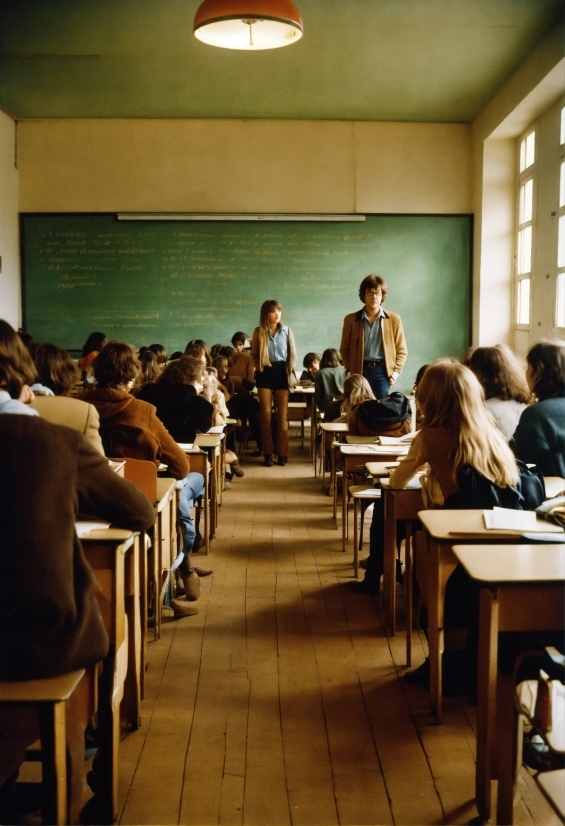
50,621
353,341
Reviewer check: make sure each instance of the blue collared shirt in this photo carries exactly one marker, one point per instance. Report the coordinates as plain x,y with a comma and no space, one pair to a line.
373,339
278,345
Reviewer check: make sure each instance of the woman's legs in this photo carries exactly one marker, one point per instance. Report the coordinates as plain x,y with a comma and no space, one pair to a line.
281,401
265,395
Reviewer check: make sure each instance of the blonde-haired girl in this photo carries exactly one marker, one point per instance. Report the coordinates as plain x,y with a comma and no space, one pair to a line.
356,389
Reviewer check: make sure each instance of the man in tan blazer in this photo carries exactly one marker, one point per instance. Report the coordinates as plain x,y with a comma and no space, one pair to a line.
372,340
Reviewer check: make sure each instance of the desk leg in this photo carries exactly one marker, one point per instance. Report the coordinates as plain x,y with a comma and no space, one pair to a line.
389,561
334,483
344,517
356,509
408,591
435,630
486,698
143,607
54,783
131,703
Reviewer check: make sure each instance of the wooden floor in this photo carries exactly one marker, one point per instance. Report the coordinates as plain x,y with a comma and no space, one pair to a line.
283,700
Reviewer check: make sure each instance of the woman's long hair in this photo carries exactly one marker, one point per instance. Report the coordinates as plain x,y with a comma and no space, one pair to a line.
451,397
94,343
266,308
500,373
355,389
18,367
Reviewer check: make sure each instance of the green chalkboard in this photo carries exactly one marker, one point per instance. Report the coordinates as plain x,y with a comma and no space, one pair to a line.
171,281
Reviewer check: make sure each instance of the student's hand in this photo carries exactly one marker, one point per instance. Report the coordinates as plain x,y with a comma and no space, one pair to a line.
27,395
393,378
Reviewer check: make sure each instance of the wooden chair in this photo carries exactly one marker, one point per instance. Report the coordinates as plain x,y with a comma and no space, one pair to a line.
363,496
297,413
57,709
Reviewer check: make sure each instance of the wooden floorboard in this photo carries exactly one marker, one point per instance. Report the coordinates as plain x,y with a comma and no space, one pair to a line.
282,701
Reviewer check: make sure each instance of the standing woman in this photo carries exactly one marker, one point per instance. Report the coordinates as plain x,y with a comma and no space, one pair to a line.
274,356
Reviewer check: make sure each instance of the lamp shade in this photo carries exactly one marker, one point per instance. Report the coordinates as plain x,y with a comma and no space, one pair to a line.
250,25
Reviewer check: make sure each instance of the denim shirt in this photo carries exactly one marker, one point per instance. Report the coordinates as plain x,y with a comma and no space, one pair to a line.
278,345
373,338
10,405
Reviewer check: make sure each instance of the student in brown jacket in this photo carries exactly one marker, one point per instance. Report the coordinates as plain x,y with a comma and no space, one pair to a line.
130,429
372,340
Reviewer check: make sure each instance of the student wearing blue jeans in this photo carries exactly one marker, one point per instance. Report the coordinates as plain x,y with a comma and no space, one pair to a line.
192,490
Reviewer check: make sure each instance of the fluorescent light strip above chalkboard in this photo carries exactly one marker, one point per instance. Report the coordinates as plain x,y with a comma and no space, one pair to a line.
201,216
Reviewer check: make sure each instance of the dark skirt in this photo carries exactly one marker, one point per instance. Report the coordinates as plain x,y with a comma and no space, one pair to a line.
272,378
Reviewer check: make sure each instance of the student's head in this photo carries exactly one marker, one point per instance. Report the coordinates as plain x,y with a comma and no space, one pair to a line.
116,366
451,397
546,369
94,343
197,349
55,368
373,283
271,312
150,369
418,378
222,365
176,355
185,370
26,338
311,362
17,365
467,356
239,340
215,350
330,358
356,389
499,372
227,351
161,354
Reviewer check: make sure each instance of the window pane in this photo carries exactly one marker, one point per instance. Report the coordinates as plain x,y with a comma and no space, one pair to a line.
525,250
562,138
562,185
526,198
523,302
561,242
560,302
527,151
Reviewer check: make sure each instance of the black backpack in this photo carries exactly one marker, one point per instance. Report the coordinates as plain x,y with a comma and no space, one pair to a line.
377,414
476,492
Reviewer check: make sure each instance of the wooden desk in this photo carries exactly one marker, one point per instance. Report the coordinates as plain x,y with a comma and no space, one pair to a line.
339,429
210,443
308,393
399,506
522,590
446,528
353,457
554,486
113,555
157,559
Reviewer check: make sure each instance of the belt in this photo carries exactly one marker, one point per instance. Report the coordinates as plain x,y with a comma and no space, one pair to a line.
374,363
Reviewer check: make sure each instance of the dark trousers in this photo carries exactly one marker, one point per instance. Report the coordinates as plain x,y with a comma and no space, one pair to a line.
245,407
375,563
378,379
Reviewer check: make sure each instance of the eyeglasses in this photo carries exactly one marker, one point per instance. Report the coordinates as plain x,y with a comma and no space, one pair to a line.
375,293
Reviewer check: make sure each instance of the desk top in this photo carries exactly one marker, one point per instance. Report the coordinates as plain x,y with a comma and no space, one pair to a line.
413,484
380,468
554,486
513,563
121,535
371,449
208,439
451,525
309,391
165,489
334,427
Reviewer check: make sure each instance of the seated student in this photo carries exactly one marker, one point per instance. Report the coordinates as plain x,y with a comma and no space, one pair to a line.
149,371
215,350
130,429
57,371
198,349
329,379
502,379
222,366
19,373
176,355
540,435
311,364
242,372
161,354
415,386
92,346
176,397
458,435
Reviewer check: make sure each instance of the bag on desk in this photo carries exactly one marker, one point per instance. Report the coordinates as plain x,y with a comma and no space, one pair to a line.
553,510
478,492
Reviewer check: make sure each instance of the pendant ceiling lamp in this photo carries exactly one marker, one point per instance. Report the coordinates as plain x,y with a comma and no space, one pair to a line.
250,25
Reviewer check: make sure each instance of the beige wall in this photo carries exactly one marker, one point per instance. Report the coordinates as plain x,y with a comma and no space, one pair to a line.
9,228
243,166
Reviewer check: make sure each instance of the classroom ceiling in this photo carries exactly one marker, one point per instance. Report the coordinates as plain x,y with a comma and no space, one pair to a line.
383,60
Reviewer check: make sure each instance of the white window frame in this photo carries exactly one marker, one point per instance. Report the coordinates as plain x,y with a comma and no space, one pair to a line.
529,173
560,270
